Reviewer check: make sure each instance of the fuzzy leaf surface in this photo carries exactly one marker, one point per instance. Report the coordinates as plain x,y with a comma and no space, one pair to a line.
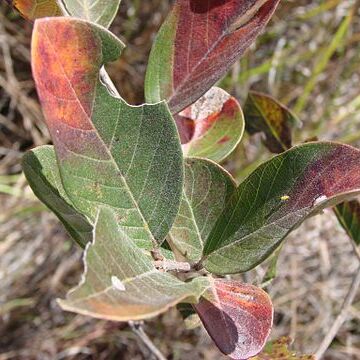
198,43
207,189
121,283
128,158
237,316
211,127
34,9
277,197
348,214
266,115
43,176
100,12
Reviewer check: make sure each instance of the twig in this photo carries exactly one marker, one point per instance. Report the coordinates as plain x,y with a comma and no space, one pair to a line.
341,318
137,328
171,265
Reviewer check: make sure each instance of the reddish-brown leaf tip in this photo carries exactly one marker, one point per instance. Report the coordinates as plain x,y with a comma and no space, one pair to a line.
198,43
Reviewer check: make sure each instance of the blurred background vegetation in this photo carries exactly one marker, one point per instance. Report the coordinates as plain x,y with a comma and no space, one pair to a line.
308,58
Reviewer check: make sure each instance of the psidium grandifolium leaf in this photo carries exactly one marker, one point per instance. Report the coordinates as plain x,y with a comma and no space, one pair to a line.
109,153
121,283
237,316
212,127
34,9
207,190
181,67
277,197
348,214
264,114
41,171
100,12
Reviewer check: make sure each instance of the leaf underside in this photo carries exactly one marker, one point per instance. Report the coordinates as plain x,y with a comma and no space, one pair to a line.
237,316
211,127
198,43
121,283
43,176
101,12
109,153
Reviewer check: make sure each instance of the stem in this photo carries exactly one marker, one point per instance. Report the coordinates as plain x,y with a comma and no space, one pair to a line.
105,79
171,265
137,328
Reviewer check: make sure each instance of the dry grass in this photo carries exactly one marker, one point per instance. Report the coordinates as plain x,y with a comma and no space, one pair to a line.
38,263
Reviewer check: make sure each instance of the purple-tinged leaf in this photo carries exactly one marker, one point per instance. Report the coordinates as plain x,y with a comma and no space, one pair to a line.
276,198
198,43
211,127
237,316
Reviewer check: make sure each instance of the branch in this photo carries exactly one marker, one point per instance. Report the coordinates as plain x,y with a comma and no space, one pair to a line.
137,328
171,265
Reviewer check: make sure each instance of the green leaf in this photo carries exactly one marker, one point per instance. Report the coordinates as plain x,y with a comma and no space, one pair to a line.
266,115
109,153
207,188
212,127
279,350
198,43
348,214
277,197
237,316
121,283
100,12
34,9
271,271
42,173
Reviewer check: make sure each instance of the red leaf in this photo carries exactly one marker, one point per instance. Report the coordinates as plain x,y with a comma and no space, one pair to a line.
198,43
237,316
212,126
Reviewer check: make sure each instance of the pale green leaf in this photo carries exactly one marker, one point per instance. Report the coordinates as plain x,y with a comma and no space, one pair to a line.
121,283
101,12
207,188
